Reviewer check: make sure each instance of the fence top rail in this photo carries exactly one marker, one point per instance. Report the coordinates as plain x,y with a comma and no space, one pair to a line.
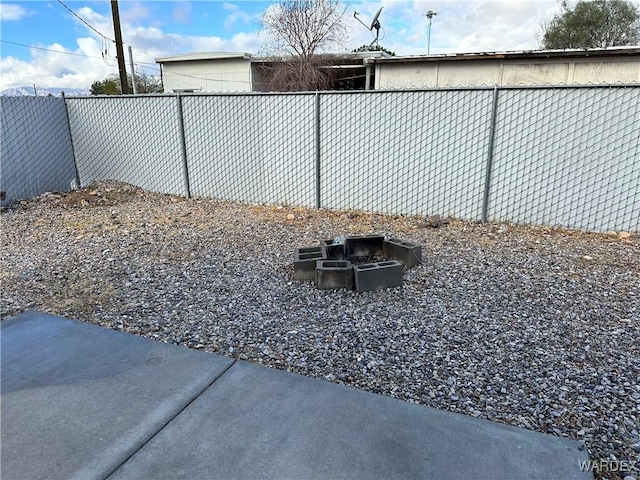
364,92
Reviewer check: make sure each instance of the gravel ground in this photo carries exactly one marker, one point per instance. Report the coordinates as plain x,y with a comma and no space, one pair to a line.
532,327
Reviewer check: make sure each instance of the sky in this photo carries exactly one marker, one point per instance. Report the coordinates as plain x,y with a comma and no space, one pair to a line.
156,29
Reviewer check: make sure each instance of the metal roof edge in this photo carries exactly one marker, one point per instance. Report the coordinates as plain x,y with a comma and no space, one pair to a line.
524,54
199,56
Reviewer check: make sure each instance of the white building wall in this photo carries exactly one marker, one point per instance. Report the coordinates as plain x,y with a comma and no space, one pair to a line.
220,75
473,73
592,72
536,74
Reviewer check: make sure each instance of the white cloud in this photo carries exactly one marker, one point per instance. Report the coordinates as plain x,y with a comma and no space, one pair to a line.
10,12
182,12
460,26
49,69
151,43
238,16
134,12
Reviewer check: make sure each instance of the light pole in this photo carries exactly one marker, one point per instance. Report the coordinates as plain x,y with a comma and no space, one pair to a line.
430,15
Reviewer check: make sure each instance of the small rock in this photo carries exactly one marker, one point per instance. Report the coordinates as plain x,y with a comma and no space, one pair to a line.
612,234
588,257
291,216
581,433
629,477
435,221
623,235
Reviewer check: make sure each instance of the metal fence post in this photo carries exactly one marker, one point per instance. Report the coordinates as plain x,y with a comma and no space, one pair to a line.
183,147
317,149
73,153
487,178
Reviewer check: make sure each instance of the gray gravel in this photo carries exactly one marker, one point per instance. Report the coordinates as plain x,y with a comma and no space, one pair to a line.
532,327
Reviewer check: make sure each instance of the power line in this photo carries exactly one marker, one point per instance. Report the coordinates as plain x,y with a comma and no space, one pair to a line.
48,49
141,64
104,49
85,22
155,67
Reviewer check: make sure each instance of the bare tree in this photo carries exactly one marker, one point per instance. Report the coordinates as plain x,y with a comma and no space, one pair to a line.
295,74
301,29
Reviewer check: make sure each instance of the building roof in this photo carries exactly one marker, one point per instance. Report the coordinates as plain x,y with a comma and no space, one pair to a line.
381,57
188,57
199,56
516,55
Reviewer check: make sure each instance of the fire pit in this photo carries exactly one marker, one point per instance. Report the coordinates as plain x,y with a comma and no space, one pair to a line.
348,263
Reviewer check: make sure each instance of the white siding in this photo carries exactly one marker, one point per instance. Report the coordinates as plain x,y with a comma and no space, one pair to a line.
219,75
475,73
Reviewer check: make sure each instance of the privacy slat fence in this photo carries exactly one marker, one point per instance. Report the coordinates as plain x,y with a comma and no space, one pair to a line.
566,156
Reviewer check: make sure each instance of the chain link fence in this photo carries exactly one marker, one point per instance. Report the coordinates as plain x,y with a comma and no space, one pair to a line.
35,147
567,157
405,152
558,156
251,148
136,140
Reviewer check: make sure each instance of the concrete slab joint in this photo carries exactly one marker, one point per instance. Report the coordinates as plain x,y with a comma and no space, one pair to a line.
118,406
336,264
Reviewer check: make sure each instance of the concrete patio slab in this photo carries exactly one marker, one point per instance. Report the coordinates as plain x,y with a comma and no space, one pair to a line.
255,422
78,400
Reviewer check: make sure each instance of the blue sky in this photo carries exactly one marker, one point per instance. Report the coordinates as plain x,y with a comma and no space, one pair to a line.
162,28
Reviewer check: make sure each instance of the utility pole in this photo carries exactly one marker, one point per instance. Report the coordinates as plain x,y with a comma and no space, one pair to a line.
124,86
133,72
